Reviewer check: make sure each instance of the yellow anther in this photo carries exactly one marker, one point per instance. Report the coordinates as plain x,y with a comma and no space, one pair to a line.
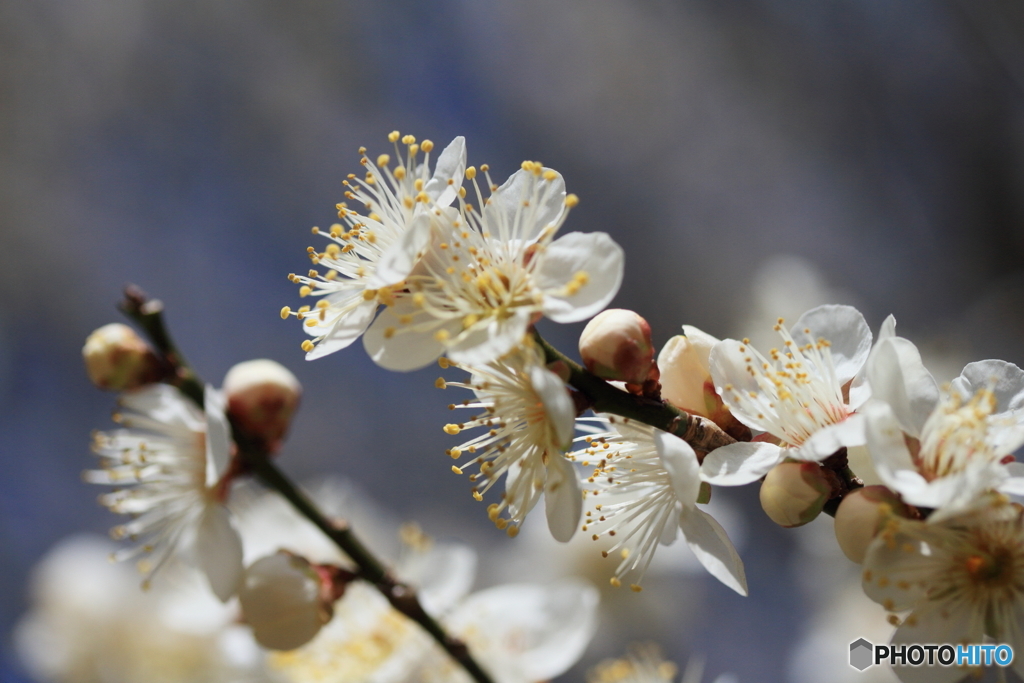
369,294
303,310
315,230
501,523
333,250
419,298
307,346
305,290
440,383
550,174
393,136
362,150
422,197
470,320
389,332
477,496
427,146
452,429
375,217
512,531
444,362
571,200
310,323
442,335
405,319
408,202
383,160
636,588
456,453
408,140
471,173
285,312
615,582
456,470
462,193
413,148
400,173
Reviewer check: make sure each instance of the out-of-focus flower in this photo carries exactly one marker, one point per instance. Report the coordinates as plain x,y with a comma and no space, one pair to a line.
963,577
944,449
89,623
168,466
859,517
652,481
530,418
498,271
367,262
793,493
262,396
616,345
803,395
116,359
284,600
644,664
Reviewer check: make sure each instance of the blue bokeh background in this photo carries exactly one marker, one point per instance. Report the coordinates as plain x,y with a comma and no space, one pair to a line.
188,147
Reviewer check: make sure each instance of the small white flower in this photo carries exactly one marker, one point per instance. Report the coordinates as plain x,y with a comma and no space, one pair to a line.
168,465
368,261
499,271
652,480
529,417
803,395
962,577
944,449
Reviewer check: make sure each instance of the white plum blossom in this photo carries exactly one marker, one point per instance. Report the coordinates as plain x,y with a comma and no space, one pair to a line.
944,449
652,483
168,466
803,395
963,577
529,418
369,256
478,291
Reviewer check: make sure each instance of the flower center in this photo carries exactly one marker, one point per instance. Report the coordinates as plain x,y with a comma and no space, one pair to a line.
955,435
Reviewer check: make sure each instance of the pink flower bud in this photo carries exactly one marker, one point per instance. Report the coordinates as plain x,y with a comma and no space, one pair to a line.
117,359
686,374
859,517
793,493
616,345
262,396
284,600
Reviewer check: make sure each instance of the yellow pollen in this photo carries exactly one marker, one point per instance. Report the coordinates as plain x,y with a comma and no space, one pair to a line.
400,173
427,146
307,346
408,140
571,200
455,453
285,312
456,470
470,173
615,582
393,136
550,174
389,332
477,496
440,383
452,429
305,290
635,588
441,335
383,160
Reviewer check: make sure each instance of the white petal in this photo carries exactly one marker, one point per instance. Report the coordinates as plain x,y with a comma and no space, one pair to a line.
729,369
406,349
1005,380
399,259
487,343
595,254
558,405
846,331
885,442
740,463
344,331
680,461
928,625
218,435
218,551
164,404
1014,485
535,631
827,440
450,166
505,215
709,542
442,575
563,500
899,378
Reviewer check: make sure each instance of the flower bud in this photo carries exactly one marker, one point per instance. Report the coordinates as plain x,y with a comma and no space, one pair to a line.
262,396
793,493
284,601
616,345
859,518
685,371
117,359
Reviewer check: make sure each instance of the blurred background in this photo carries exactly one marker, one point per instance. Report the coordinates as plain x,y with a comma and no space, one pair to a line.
753,157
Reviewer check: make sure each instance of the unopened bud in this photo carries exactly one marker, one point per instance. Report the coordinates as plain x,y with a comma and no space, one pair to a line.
116,358
859,518
616,345
686,373
262,396
793,493
284,601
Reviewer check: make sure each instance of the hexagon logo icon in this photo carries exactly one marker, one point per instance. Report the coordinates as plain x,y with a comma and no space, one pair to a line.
861,654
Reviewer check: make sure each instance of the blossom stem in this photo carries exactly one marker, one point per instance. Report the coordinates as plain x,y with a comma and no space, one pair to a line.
701,433
148,314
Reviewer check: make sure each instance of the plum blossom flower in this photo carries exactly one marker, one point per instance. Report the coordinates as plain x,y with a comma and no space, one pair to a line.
944,448
652,481
168,465
370,255
530,419
804,395
500,270
963,577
